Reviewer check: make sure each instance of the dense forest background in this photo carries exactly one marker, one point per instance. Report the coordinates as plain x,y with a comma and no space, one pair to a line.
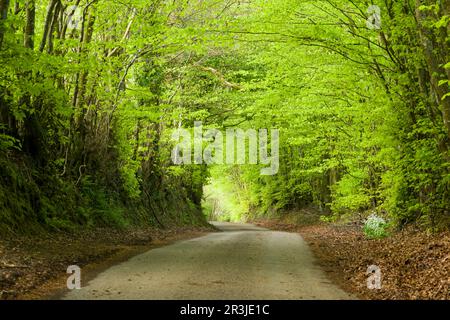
90,92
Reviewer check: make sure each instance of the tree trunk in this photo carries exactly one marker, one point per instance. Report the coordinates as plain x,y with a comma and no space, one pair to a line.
30,25
32,141
436,54
47,25
4,5
53,25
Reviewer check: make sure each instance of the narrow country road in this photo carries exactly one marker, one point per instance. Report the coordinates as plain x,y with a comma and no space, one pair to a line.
243,262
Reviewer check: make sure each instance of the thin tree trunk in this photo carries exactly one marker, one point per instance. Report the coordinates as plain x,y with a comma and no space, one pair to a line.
30,24
84,76
85,37
4,5
53,27
33,131
137,136
48,23
4,109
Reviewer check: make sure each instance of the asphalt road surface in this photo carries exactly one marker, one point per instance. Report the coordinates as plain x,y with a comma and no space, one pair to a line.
243,262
